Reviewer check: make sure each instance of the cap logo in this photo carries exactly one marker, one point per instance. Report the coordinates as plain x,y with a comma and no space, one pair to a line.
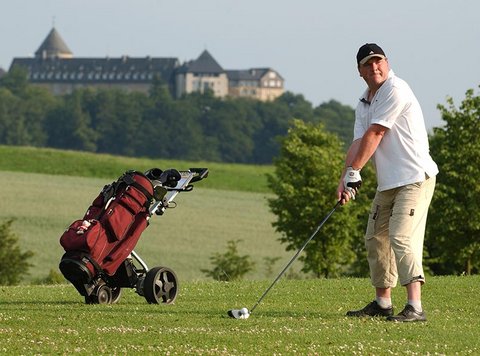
371,52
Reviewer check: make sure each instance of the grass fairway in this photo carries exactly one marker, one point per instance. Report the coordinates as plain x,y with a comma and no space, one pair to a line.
297,317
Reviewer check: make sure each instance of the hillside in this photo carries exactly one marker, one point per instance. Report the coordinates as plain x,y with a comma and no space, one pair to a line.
45,190
237,177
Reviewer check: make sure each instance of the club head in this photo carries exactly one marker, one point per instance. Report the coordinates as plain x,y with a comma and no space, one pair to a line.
239,313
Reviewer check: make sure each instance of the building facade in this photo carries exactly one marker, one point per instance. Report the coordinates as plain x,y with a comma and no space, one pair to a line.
54,67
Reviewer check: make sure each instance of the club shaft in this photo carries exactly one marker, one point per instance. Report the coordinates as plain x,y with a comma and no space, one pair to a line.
295,257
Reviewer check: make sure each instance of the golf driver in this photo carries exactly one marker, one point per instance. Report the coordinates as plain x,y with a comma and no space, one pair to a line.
244,313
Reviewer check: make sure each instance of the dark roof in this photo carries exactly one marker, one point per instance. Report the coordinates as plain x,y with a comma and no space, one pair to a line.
53,46
205,63
249,74
122,69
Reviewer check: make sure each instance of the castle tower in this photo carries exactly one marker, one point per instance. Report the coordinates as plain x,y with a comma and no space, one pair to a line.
53,47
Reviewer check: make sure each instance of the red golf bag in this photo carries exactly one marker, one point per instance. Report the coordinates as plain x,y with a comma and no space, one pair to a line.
112,225
99,258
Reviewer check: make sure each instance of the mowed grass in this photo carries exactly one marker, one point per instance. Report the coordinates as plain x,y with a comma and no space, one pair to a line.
184,238
297,317
44,190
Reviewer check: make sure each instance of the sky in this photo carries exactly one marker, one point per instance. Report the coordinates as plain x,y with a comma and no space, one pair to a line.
432,44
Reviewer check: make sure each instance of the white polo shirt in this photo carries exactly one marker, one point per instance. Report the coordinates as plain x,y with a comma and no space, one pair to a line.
402,156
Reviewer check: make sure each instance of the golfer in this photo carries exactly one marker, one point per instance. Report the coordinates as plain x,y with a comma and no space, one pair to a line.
390,130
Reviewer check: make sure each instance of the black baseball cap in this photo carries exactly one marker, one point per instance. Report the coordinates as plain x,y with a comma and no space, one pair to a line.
367,51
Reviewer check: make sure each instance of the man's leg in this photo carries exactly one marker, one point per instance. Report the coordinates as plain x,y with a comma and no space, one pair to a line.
380,259
407,230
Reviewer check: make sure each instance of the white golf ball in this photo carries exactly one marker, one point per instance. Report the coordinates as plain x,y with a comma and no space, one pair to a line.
244,311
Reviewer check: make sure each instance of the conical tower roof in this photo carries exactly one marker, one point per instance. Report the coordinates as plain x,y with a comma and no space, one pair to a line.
53,47
205,63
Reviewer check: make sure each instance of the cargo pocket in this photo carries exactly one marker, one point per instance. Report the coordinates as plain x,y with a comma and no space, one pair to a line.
372,222
401,221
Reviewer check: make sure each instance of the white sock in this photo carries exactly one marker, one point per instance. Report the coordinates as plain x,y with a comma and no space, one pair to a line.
416,304
384,303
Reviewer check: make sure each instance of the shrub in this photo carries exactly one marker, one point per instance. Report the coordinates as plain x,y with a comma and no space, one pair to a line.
13,263
229,265
53,277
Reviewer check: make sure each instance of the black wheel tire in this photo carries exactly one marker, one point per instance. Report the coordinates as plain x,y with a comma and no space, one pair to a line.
116,294
160,286
101,295
104,295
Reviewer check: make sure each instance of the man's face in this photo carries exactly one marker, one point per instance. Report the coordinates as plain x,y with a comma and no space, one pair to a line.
374,72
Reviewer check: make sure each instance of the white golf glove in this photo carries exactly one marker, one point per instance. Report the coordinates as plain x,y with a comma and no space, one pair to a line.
352,181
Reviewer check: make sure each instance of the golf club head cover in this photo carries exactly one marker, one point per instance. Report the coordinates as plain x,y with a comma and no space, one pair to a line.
154,173
170,178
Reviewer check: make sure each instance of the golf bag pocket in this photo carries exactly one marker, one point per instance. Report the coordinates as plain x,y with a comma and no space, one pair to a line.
121,212
96,208
83,235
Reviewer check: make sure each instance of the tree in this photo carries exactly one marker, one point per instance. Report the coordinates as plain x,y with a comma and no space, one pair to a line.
70,126
337,118
13,263
230,265
16,81
304,182
453,234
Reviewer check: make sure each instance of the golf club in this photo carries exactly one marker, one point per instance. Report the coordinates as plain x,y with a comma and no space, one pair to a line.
244,313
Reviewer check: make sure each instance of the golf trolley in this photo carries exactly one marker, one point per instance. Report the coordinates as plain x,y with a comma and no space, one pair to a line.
101,279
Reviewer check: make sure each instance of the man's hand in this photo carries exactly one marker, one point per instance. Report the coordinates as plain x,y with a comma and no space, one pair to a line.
352,181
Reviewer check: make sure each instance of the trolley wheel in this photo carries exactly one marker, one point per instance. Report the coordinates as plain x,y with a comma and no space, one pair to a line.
102,294
160,286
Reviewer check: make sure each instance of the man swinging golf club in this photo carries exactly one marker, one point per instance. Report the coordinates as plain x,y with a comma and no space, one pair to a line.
390,130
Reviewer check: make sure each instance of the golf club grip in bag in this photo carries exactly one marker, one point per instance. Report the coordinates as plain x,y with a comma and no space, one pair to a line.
112,225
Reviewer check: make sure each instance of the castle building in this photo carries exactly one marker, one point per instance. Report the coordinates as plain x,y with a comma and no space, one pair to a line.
54,67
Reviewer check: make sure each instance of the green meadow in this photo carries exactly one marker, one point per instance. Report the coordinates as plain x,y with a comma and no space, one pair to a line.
41,193
44,190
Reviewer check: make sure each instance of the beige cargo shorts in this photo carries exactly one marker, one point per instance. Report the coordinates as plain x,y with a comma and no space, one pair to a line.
395,234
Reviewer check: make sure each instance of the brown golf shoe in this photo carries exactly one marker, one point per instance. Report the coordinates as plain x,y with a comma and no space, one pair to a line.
370,310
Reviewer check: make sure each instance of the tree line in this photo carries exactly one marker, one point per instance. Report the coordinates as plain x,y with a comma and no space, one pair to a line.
195,127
